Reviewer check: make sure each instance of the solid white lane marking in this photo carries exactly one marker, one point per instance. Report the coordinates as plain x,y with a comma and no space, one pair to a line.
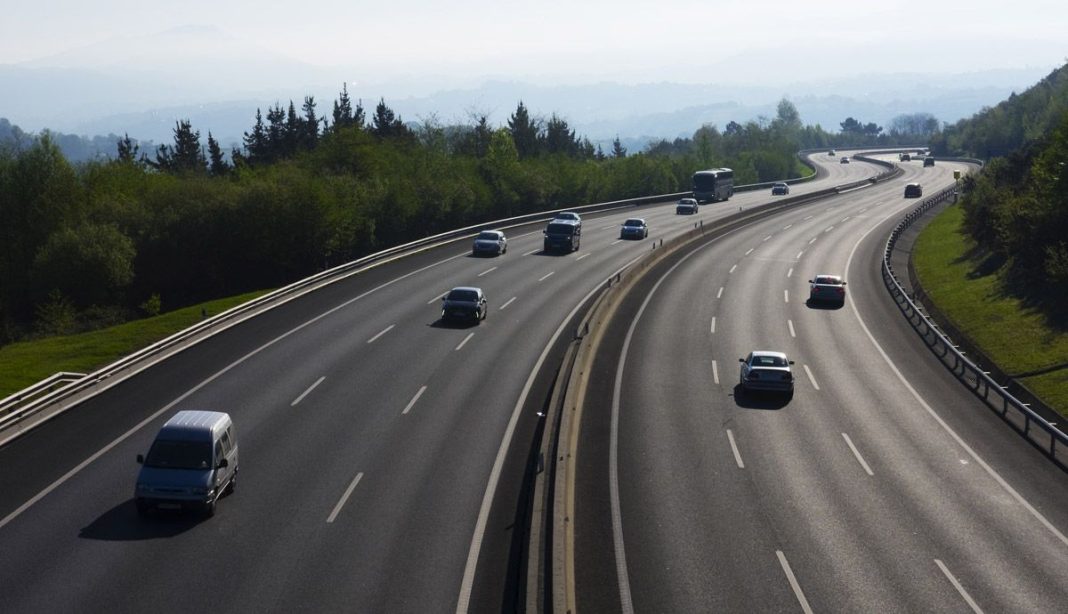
734,448
344,498
582,256
749,252
720,293
799,254
812,240
616,241
790,323
786,296
508,302
464,342
384,331
960,588
713,324
787,227
934,415
856,453
715,372
790,272
306,392
487,271
411,404
767,237
732,269
546,276
811,378
532,252
436,298
793,582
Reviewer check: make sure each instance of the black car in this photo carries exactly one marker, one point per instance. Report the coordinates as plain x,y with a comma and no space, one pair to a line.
913,190
464,303
780,189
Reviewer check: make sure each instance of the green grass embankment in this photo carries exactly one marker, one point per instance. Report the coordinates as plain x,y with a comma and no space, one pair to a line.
1014,336
26,363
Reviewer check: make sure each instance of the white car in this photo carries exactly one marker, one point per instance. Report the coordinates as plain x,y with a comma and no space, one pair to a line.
765,370
568,215
686,205
490,242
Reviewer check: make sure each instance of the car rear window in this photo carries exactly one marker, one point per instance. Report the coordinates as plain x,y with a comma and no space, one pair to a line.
830,281
768,361
463,295
632,223
488,236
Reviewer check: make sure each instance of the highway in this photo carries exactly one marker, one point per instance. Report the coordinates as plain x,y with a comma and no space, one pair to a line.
383,455
883,485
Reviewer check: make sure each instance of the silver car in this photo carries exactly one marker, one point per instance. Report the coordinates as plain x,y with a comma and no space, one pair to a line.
829,288
634,228
490,242
765,370
686,205
568,215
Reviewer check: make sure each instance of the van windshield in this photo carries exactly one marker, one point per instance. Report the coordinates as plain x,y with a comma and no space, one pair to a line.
166,454
561,229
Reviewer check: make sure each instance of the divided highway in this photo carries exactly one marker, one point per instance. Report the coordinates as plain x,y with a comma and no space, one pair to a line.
382,454
883,485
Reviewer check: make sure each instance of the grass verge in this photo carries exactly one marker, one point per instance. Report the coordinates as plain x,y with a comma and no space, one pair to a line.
26,363
1016,337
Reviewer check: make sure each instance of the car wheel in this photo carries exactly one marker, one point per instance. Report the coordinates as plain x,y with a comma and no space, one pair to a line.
209,508
232,485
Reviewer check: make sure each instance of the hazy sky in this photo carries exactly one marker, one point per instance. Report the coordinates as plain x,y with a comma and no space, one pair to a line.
555,40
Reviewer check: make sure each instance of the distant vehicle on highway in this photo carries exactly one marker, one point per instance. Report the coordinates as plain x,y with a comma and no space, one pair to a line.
686,205
562,235
634,228
844,160
191,464
827,288
713,185
568,215
490,242
464,303
904,157
766,370
780,189
831,153
929,161
913,190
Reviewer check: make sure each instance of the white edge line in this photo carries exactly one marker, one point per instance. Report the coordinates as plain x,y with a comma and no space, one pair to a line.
793,582
960,588
307,392
344,497
734,448
464,342
856,453
811,378
415,399
386,330
507,303
715,372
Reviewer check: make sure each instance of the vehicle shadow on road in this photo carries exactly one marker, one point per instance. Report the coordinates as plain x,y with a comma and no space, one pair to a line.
122,523
760,400
811,304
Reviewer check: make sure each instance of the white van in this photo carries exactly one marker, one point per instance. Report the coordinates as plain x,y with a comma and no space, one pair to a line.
192,462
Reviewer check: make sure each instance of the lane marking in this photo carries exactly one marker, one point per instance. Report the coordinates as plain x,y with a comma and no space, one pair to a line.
734,448
715,372
856,453
609,227
787,227
507,303
411,404
436,298
790,323
807,218
720,293
306,392
960,588
811,378
799,254
732,269
767,237
546,276
713,324
790,272
749,252
793,582
344,498
616,241
582,256
828,229
786,296
464,342
386,330
487,271
532,252
845,219
812,240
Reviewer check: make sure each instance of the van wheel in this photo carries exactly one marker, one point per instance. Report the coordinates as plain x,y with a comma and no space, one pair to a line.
232,485
209,508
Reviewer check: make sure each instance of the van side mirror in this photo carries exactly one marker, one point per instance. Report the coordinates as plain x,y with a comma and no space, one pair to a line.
791,362
140,459
810,281
223,464
741,360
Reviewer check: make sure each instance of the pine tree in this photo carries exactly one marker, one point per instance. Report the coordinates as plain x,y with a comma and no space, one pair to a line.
310,128
128,149
386,124
294,131
524,132
559,137
256,142
217,164
618,150
188,155
276,133
343,109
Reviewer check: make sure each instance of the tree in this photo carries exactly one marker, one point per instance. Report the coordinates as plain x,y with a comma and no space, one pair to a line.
256,142
218,166
385,124
524,131
185,156
559,137
310,134
618,150
128,150
88,264
343,109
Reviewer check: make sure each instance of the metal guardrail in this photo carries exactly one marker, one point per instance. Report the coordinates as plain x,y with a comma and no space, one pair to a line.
26,395
976,378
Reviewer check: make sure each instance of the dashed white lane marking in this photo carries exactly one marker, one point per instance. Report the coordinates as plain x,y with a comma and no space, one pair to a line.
807,218
845,219
582,256
811,378
487,271
344,497
960,588
720,293
790,323
715,372
788,227
411,404
767,237
464,342
790,272
307,392
856,453
812,240
713,324
799,254
786,296
384,331
532,252
749,252
734,448
616,241
793,582
436,298
507,303
546,276
732,269
608,227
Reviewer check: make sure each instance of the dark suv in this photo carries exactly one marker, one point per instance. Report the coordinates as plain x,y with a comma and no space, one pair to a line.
913,190
563,235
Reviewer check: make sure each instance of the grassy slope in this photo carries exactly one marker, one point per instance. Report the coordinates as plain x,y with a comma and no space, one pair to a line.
23,364
1016,337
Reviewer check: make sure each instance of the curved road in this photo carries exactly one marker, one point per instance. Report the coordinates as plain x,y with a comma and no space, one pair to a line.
883,485
369,437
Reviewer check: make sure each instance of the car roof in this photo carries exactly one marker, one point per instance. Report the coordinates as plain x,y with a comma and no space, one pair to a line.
479,290
912,184
778,183
634,219
837,277
496,232
194,424
564,220
757,353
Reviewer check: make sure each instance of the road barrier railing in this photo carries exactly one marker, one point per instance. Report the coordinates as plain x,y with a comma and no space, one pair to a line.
1042,433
